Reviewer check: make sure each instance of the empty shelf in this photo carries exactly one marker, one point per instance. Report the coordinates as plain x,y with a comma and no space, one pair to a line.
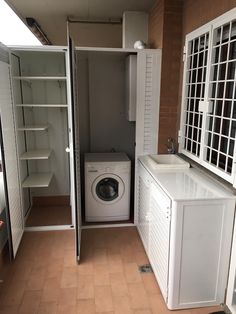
37,180
42,105
36,154
31,78
41,127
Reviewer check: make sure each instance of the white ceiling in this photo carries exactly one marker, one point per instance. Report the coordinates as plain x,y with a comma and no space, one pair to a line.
52,14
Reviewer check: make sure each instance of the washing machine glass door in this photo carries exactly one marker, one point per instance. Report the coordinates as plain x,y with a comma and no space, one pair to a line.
108,188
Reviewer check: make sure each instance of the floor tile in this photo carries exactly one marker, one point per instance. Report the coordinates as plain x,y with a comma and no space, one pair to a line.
30,302
132,273
122,305
150,283
138,296
86,307
119,286
47,308
68,296
103,299
66,309
69,277
13,293
100,256
85,288
45,277
101,275
11,309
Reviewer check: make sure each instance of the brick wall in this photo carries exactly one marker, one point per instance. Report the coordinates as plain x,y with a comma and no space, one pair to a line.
195,14
198,12
155,27
169,22
165,31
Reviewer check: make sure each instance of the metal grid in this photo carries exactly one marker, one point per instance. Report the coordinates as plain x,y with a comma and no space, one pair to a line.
197,54
221,120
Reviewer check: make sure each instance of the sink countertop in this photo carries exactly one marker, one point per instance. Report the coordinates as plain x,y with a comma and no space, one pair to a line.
186,184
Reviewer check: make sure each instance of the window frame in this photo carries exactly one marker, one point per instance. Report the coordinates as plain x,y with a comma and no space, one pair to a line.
207,28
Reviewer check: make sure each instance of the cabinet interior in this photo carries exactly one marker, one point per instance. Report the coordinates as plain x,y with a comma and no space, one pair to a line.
102,118
40,96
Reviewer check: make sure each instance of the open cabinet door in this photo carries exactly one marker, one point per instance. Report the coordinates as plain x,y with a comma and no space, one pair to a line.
147,112
74,149
10,151
148,101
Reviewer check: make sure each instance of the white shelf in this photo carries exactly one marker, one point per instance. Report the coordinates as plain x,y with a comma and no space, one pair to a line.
42,105
37,180
41,127
36,154
39,78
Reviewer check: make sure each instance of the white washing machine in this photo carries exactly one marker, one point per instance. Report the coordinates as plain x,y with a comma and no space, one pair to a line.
107,186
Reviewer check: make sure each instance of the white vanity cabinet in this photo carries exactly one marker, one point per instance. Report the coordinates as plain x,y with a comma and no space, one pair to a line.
159,235
143,200
189,224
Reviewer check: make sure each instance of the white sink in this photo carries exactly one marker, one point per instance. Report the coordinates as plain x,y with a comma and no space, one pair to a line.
168,161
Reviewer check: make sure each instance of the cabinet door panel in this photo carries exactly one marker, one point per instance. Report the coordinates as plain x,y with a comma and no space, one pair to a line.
143,207
159,237
11,156
74,149
148,98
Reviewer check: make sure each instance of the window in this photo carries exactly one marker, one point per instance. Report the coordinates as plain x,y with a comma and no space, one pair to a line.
208,123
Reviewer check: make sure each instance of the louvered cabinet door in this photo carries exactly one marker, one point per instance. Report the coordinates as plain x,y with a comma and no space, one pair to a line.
148,98
159,235
11,157
143,206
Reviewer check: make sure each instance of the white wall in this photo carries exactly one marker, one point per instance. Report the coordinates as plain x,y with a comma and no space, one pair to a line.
103,123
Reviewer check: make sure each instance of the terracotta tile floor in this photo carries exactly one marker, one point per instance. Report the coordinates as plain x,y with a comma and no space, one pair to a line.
45,278
49,216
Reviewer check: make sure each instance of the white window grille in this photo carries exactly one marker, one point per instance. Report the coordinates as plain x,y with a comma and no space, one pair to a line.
208,119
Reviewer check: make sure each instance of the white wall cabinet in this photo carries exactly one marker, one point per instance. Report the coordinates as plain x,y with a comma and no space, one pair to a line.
189,223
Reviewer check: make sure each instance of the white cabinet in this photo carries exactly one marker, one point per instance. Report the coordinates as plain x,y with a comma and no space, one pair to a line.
36,114
143,196
159,235
189,235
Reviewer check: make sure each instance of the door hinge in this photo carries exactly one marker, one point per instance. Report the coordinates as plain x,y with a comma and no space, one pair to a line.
184,53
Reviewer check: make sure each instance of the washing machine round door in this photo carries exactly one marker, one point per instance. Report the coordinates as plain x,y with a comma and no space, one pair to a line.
108,188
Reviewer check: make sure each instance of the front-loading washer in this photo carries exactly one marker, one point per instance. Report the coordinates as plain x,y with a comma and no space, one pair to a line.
107,187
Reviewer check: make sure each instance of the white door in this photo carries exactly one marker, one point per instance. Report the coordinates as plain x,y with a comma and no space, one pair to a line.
74,148
148,101
147,111
10,151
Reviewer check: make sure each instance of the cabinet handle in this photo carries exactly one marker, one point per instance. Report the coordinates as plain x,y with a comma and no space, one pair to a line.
148,217
67,149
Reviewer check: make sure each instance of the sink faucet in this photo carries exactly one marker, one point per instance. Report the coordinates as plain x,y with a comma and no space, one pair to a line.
170,145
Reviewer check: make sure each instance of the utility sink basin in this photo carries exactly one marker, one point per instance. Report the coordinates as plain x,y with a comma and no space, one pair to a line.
168,161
